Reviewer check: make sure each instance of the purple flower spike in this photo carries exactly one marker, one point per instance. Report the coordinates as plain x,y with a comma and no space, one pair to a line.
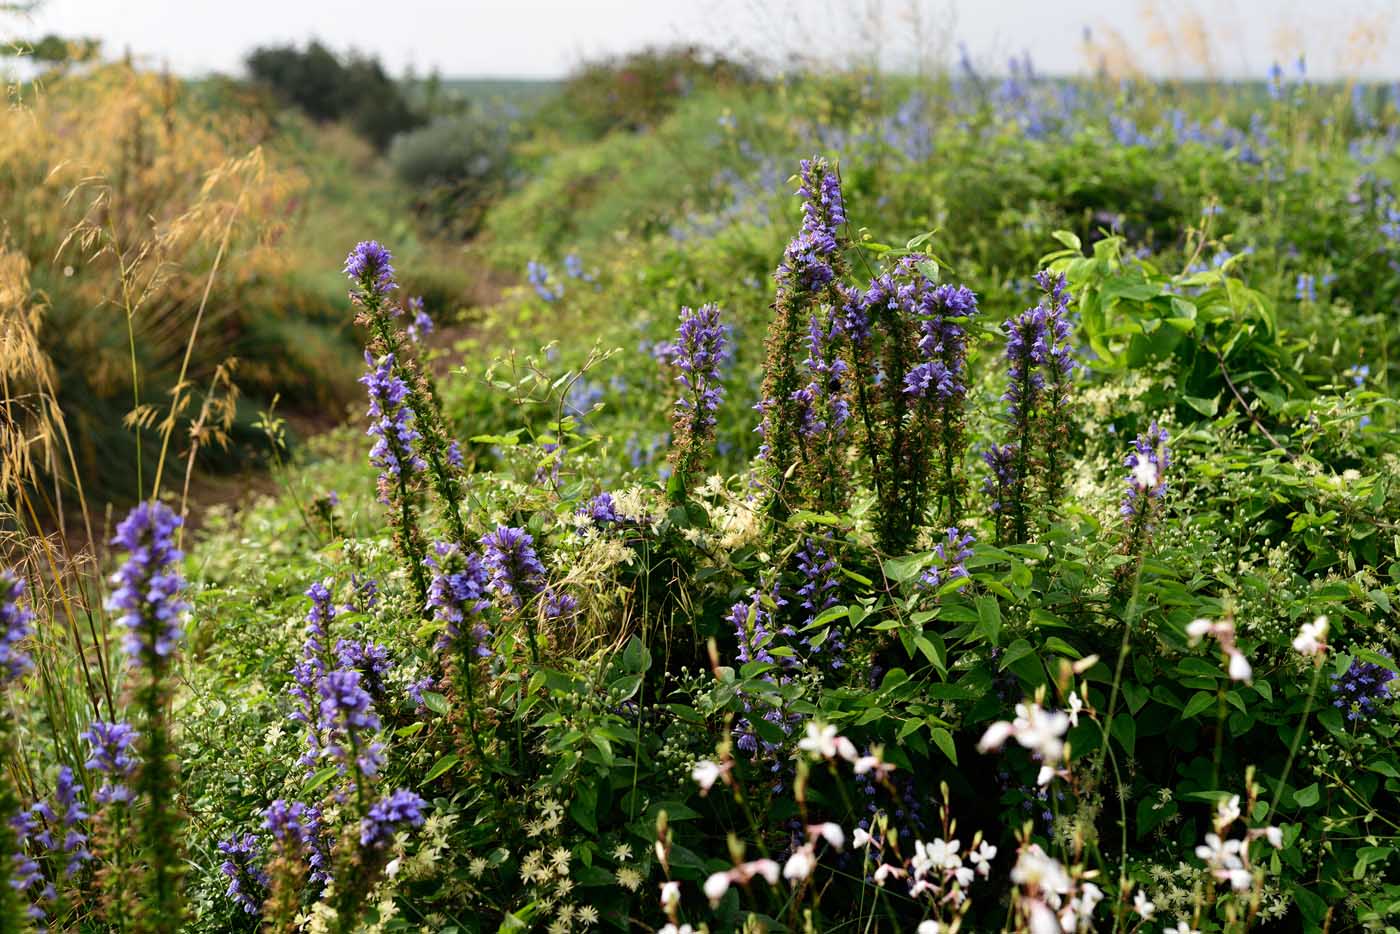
147,594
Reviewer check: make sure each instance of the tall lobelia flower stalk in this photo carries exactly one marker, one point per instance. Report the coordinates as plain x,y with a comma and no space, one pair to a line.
824,412
112,755
351,726
370,270
517,576
297,855
148,600
15,868
700,347
311,668
459,599
399,464
908,347
808,281
1040,369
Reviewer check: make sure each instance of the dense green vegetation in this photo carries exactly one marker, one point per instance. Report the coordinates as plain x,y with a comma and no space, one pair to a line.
1094,571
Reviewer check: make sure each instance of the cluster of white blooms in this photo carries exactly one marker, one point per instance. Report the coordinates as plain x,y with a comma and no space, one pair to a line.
823,742
1224,633
1049,899
1037,729
1228,858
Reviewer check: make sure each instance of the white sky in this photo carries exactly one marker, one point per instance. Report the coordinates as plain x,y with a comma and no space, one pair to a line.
544,38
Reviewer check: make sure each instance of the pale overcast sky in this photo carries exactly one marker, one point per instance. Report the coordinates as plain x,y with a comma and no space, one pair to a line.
544,38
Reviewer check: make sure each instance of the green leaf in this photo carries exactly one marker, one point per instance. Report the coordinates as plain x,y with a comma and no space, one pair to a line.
1307,797
436,703
989,619
1069,239
1199,701
944,741
320,778
1125,731
441,766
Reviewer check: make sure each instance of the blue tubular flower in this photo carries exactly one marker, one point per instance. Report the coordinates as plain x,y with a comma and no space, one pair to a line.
25,874
15,619
147,594
393,426
371,660
387,815
1027,349
371,272
248,882
1001,486
600,510
949,557
54,837
516,572
296,835
348,717
422,324
820,590
559,606
699,350
1147,478
314,663
111,756
458,598
538,275
1361,689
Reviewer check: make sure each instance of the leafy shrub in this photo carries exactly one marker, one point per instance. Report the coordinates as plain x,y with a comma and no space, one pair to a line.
457,165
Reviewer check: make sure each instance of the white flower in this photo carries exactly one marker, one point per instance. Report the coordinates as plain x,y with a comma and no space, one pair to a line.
930,927
1241,880
672,929
846,749
982,858
1228,811
715,887
1182,928
670,896
831,833
761,867
799,865
885,870
1312,637
1239,667
1198,629
860,838
1218,853
820,741
705,773
1035,728
1143,906
1275,837
1075,705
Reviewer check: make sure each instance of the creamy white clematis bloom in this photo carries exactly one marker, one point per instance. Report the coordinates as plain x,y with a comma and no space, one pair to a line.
1312,637
799,865
705,773
1143,906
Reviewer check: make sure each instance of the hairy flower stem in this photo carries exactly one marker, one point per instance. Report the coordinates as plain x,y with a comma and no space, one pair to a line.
159,825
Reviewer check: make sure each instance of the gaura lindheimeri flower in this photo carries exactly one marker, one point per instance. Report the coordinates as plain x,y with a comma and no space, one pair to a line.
1312,638
1223,632
1039,730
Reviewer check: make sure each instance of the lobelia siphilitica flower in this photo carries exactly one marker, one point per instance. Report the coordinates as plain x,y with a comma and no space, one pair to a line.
950,555
298,854
517,576
392,427
757,630
808,282
370,270
112,755
908,347
1040,369
15,866
819,590
459,598
824,411
1143,495
242,866
315,661
1362,690
700,347
149,605
55,850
